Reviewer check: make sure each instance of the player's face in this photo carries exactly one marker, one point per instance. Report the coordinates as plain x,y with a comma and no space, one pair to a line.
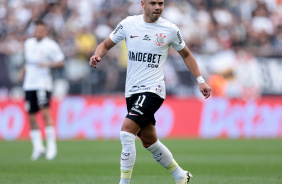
152,9
40,32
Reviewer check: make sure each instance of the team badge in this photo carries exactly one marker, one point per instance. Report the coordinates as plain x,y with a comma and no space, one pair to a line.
159,89
160,39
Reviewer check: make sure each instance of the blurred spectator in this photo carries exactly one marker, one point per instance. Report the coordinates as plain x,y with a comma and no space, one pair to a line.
85,42
218,85
215,31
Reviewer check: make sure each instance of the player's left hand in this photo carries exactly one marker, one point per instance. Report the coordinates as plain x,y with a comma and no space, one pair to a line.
43,64
205,90
21,75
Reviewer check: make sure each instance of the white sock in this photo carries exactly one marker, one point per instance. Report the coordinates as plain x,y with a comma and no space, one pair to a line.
160,153
178,173
36,139
124,181
164,157
128,156
50,137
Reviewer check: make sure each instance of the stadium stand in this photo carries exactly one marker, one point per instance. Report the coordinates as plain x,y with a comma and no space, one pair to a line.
224,35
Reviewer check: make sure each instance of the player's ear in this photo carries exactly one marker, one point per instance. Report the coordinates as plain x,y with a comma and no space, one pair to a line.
143,3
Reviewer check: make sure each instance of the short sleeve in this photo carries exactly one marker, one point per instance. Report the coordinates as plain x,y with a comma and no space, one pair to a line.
56,53
177,41
119,33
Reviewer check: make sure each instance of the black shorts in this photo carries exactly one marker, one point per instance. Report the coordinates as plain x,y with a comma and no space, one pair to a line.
141,108
36,100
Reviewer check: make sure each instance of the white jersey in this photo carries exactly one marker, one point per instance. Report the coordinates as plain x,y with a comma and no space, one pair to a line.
46,50
147,47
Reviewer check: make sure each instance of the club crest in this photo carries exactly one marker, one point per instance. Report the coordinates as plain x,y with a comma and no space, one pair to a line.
160,39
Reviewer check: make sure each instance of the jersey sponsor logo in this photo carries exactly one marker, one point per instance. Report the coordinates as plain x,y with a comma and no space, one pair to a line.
153,60
137,88
118,28
159,160
133,36
147,38
157,157
160,39
33,63
179,37
124,158
123,154
134,109
132,114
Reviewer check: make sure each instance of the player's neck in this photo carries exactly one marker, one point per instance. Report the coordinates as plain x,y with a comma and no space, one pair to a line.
39,39
147,19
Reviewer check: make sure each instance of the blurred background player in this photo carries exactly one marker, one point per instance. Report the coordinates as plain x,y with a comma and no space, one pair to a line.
41,55
148,39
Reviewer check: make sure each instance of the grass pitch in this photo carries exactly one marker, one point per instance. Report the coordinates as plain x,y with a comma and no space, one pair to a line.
97,162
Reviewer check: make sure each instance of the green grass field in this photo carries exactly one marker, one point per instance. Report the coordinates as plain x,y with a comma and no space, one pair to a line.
97,162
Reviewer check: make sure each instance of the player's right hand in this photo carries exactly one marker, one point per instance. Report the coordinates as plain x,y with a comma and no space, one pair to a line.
21,75
94,60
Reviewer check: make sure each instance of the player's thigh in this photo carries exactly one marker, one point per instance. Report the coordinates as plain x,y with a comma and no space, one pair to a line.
32,118
45,111
142,107
43,98
47,116
130,126
31,105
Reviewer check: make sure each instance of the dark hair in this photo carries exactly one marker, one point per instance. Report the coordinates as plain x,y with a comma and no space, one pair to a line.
40,22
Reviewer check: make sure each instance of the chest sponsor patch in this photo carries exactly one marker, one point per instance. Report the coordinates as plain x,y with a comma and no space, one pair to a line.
159,89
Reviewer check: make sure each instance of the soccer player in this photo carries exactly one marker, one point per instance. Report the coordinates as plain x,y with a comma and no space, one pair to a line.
41,55
148,39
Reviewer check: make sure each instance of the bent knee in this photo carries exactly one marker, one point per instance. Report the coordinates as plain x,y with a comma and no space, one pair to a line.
147,142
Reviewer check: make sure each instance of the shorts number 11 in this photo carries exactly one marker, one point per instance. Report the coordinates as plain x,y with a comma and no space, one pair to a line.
142,101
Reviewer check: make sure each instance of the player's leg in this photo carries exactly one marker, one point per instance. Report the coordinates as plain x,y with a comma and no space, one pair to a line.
128,133
162,155
50,133
35,134
140,107
44,103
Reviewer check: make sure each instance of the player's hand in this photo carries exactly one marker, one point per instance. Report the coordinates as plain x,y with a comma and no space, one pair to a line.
43,64
205,90
21,75
94,60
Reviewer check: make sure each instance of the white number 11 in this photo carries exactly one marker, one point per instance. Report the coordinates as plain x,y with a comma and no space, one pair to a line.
142,101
